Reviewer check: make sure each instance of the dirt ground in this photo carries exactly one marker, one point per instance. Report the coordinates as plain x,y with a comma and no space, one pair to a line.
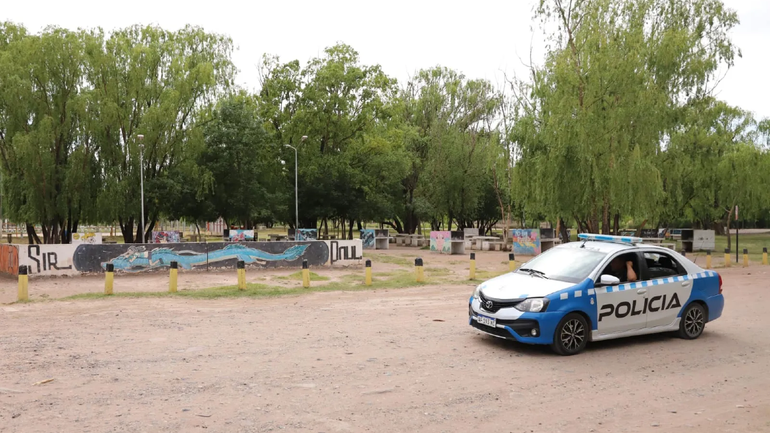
379,361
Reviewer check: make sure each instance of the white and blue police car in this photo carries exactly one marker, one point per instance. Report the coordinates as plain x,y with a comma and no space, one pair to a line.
570,295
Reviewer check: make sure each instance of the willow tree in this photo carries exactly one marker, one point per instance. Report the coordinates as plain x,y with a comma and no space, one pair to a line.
48,159
155,83
596,114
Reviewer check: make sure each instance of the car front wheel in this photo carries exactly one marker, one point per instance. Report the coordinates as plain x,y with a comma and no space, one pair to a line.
693,321
571,335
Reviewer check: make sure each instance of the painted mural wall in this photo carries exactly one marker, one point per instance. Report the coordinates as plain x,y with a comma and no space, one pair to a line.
61,260
86,238
347,252
526,241
367,238
166,237
242,235
49,260
440,241
9,259
307,234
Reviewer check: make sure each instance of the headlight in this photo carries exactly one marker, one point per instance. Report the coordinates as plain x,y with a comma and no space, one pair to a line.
533,305
477,291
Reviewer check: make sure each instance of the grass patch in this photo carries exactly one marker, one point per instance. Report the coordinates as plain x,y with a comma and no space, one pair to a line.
298,277
486,275
348,282
437,271
393,260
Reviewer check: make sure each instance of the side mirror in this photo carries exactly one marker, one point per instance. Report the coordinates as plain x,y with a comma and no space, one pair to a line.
609,280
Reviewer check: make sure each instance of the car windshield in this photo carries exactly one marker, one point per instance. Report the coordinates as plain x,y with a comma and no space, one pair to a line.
564,264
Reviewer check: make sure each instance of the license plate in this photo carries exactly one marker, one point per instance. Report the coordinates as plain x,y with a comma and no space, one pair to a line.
489,321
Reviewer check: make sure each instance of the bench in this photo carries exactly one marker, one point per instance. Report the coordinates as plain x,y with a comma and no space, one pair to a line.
492,245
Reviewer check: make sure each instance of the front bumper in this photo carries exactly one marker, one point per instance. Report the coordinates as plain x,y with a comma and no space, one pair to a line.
528,328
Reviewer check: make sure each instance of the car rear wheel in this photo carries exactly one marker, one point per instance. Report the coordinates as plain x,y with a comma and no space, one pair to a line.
571,335
693,321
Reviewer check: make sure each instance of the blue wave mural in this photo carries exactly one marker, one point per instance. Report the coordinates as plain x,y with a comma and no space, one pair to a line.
138,259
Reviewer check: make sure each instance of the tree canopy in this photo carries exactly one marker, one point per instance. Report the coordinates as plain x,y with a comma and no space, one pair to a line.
618,124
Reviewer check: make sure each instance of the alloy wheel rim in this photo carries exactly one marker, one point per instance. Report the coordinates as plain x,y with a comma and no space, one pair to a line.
693,322
572,334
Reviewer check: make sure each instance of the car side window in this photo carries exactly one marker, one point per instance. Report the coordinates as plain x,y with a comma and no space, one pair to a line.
662,265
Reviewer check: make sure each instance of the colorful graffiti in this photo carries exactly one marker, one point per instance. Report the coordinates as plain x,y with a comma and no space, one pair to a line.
166,237
241,235
139,259
307,235
87,238
526,241
367,238
9,259
441,241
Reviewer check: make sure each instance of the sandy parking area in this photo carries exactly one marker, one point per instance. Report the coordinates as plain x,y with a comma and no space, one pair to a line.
379,361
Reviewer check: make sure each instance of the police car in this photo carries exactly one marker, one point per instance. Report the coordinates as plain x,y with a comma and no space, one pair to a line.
570,295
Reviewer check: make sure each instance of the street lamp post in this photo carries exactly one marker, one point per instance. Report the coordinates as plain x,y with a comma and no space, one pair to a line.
141,176
296,189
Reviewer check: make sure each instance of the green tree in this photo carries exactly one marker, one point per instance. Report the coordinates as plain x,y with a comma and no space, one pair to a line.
151,82
48,159
597,113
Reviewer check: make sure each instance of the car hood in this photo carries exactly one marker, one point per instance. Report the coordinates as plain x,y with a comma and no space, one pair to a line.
520,285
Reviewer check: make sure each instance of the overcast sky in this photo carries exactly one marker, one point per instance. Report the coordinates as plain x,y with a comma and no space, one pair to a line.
483,40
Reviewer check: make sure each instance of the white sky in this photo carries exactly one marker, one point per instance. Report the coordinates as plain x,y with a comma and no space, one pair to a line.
482,41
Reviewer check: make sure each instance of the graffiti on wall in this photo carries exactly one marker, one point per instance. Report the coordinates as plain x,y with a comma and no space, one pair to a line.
345,252
367,238
138,258
237,235
307,234
9,259
48,259
58,260
166,237
440,241
87,238
526,241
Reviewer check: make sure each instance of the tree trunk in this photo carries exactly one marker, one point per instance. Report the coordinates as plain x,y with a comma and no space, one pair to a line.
32,237
727,228
342,227
350,229
606,217
639,230
563,230
617,223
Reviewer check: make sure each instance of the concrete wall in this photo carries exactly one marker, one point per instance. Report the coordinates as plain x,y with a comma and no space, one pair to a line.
61,260
347,252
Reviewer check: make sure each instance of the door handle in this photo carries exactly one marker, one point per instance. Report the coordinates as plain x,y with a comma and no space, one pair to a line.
685,283
641,291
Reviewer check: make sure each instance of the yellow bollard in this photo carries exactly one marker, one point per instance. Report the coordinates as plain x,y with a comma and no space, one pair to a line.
727,257
241,274
368,272
172,277
418,270
511,262
708,259
745,258
23,284
109,278
305,275
764,255
472,275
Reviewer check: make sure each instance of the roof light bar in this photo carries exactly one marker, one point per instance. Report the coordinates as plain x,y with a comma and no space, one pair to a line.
608,238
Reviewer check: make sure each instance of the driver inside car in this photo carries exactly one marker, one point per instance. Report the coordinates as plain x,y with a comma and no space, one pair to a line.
623,269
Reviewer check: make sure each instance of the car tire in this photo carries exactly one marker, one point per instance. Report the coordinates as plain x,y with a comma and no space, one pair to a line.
693,321
571,335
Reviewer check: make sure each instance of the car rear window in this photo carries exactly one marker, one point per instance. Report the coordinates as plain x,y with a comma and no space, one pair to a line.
566,264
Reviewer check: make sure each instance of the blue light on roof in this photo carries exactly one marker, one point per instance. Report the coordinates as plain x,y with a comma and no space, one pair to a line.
608,238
